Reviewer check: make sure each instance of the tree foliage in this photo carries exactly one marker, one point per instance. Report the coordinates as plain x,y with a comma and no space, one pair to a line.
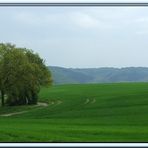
23,72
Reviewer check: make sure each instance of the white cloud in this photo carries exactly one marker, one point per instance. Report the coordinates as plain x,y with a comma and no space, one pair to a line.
34,19
71,32
83,20
26,18
142,32
78,19
142,20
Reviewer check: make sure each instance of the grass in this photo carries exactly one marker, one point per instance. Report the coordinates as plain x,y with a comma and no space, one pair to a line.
117,114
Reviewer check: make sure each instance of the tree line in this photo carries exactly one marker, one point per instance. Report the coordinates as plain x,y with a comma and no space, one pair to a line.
22,73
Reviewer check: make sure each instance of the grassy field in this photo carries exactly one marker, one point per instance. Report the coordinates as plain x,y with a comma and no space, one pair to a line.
81,113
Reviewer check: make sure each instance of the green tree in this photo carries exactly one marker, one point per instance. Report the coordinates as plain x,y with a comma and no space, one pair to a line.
23,72
4,48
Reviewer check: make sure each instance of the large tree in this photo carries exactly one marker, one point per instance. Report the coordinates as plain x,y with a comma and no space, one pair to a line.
23,72
4,48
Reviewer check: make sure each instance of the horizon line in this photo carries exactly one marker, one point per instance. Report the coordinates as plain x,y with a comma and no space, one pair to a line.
98,67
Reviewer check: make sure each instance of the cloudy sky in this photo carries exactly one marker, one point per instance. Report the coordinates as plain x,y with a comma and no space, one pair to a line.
79,36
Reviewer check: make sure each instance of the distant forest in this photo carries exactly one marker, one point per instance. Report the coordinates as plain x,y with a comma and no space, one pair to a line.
98,75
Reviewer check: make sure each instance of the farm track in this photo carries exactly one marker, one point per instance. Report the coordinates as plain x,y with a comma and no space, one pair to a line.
90,101
40,104
55,103
43,104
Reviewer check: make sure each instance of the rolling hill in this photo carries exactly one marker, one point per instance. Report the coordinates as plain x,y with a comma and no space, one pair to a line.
114,112
98,75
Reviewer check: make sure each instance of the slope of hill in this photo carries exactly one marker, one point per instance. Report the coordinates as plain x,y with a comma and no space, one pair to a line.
115,112
98,75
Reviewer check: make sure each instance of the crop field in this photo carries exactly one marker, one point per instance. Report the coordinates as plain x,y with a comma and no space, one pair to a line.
114,112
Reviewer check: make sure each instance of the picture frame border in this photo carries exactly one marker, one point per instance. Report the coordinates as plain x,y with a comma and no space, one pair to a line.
75,144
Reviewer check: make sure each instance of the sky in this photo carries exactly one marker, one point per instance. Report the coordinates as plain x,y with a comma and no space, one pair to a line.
79,37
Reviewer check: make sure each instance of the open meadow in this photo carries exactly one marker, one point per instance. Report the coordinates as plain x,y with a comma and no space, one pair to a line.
113,112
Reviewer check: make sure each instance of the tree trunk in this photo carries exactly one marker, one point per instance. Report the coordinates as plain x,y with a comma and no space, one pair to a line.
2,97
26,100
34,98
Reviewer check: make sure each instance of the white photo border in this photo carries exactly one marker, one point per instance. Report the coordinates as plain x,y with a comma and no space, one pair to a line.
74,3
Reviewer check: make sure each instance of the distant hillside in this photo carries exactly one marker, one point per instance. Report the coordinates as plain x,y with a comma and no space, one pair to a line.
98,75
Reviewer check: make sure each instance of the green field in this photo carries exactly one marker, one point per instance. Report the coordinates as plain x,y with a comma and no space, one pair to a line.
81,113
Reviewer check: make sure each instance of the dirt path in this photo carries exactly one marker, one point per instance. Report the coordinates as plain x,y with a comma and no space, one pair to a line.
87,101
59,102
56,102
90,101
42,104
93,101
11,114
39,104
